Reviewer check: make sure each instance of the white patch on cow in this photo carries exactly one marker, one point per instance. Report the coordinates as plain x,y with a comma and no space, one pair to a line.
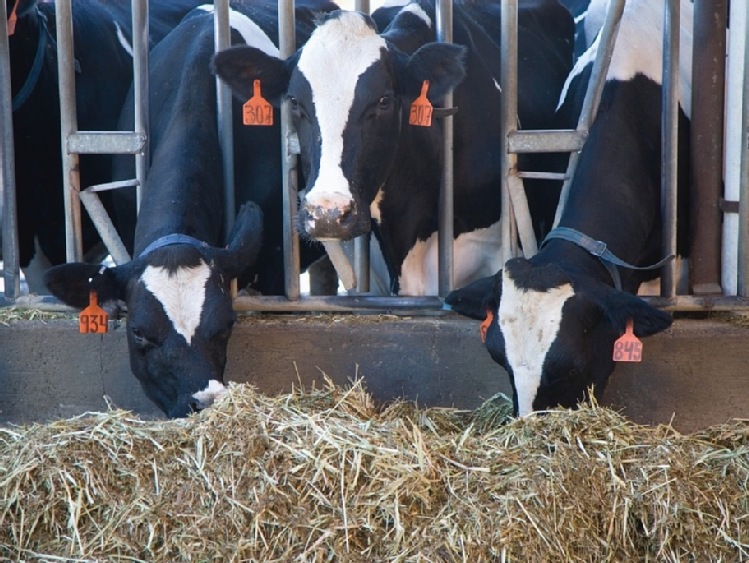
639,45
530,322
474,253
251,32
419,12
213,392
181,294
336,55
34,272
394,3
374,207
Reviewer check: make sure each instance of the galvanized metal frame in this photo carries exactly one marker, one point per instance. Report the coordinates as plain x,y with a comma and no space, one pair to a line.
517,141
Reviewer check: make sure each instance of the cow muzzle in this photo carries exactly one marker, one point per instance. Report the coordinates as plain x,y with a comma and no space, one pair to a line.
332,218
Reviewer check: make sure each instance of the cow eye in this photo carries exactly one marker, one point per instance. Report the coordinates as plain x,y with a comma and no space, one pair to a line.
294,103
385,102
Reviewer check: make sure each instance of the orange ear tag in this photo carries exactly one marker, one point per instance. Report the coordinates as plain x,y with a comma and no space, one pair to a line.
93,319
12,19
257,111
421,109
628,347
485,325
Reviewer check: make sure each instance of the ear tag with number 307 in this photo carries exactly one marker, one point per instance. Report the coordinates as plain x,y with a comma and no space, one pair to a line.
421,109
93,319
628,347
257,110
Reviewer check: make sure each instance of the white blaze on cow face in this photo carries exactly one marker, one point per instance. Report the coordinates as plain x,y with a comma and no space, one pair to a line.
251,32
419,12
213,392
181,294
529,321
336,55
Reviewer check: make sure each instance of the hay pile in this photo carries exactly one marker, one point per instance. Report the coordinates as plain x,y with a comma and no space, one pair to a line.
325,475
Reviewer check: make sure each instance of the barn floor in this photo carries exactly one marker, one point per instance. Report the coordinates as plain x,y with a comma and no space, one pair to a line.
694,375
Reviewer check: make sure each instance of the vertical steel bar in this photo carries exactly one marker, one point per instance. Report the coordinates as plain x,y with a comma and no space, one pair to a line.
508,82
222,40
11,266
286,47
669,139
444,16
734,157
743,242
141,88
71,177
706,144
361,244
606,43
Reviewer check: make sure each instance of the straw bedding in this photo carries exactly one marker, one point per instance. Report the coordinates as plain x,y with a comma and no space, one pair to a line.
325,475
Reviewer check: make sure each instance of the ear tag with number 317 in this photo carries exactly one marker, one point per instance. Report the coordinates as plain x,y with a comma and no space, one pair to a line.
93,319
628,347
257,110
421,109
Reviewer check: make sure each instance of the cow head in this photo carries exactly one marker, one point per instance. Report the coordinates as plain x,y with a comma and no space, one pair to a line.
179,311
349,89
552,331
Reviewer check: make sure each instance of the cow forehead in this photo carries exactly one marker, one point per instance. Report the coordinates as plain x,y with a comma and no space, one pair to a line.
182,294
336,55
529,321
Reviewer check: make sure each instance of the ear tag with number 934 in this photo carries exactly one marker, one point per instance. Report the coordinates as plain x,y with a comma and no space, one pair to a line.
257,110
93,319
628,347
421,109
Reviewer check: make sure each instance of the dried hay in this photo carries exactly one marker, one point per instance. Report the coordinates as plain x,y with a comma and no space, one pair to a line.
325,475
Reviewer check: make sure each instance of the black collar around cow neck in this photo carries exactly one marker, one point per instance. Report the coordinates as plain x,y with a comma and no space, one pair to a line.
36,67
169,240
599,249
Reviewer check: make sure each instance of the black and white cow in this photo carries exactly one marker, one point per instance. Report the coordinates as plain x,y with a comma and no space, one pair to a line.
552,320
179,311
103,53
351,90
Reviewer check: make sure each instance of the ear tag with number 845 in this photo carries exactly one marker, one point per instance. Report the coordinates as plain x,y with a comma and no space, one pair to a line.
628,347
257,110
93,319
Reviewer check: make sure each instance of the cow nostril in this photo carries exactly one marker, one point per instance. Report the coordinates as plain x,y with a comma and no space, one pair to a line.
195,405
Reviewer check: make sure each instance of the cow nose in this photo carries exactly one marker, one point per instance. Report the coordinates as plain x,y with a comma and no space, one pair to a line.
332,217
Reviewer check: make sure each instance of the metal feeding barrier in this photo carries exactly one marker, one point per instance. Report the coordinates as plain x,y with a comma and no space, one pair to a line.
517,232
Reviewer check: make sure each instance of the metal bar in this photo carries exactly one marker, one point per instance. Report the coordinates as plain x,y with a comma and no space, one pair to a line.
104,226
362,6
71,178
743,242
444,16
11,263
108,186
222,40
106,142
508,81
739,17
546,140
140,89
341,263
606,41
669,140
362,259
706,144
560,176
286,47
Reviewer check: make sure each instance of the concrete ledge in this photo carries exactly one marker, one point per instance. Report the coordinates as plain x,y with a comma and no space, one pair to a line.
696,373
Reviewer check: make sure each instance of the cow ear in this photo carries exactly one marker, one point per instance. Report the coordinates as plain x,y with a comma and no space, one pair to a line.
244,242
620,306
71,283
476,298
240,66
442,64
